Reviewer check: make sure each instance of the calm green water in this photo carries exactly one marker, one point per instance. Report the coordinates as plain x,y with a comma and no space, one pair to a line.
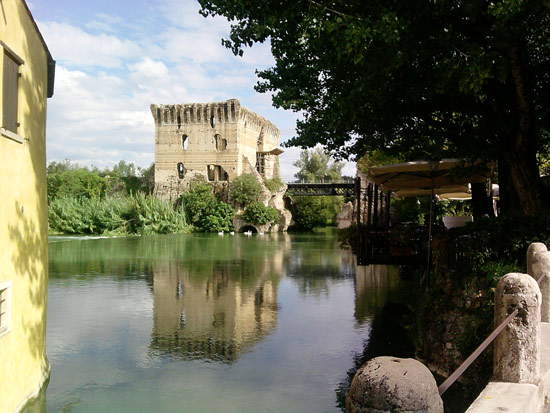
201,323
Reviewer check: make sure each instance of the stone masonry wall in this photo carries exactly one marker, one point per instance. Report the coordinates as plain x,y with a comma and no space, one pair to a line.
210,139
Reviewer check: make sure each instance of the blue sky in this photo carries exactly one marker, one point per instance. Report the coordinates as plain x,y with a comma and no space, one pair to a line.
116,57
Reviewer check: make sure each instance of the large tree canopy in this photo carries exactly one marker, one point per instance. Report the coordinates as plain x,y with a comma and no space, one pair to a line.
416,79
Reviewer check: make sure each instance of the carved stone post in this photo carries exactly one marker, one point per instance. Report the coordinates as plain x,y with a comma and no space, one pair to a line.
538,264
517,348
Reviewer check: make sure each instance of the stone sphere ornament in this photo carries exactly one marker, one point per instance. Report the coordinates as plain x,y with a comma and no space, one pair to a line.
393,385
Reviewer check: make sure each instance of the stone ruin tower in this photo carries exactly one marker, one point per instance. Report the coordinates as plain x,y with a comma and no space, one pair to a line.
219,141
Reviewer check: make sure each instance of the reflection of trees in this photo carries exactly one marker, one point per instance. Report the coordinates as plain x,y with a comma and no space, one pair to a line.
374,286
120,257
321,262
215,309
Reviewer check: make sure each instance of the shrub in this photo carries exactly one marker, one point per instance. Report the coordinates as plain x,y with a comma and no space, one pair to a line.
409,210
197,201
257,213
219,217
315,211
244,190
504,239
205,211
274,184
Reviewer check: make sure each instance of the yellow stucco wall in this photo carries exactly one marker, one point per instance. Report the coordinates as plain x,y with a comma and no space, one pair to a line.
23,216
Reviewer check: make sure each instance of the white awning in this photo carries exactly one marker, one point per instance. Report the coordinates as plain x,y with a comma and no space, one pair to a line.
445,176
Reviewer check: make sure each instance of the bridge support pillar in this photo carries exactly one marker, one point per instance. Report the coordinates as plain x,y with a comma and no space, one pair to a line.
517,351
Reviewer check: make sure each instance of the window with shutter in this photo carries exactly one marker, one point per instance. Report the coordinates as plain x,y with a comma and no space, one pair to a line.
10,88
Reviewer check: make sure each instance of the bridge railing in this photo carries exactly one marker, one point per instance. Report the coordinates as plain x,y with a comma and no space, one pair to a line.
522,301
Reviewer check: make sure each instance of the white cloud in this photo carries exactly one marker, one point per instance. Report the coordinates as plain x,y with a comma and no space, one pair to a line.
72,45
185,13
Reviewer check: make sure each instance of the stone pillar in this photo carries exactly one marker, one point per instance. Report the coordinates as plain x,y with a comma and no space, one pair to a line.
538,263
517,347
391,384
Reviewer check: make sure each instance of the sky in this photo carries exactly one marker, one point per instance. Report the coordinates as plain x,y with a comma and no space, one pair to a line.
117,57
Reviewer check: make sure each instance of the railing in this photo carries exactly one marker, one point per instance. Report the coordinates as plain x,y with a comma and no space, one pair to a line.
538,267
322,189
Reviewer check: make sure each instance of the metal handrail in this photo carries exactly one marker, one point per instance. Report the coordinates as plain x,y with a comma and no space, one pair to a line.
462,368
466,363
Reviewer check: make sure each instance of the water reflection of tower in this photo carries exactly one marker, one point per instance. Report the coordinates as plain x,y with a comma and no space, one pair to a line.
214,309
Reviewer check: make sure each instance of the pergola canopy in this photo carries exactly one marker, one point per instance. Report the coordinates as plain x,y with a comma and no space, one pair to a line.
445,178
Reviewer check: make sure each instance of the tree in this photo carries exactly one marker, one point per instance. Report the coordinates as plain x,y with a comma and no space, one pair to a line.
147,176
62,166
124,169
77,183
315,165
309,212
416,79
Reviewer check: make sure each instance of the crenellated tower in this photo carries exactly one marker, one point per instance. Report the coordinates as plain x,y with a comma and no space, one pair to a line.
218,140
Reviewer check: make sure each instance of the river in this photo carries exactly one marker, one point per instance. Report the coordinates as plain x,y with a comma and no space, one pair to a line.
206,323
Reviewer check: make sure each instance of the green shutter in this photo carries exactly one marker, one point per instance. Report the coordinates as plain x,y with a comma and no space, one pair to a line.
10,93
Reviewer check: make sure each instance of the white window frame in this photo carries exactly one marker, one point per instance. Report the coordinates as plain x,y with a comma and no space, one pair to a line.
4,48
6,308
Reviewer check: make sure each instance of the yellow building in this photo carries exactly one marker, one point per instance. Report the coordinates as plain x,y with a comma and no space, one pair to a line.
26,81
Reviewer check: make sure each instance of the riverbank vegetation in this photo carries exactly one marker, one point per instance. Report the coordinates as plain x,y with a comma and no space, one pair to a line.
119,201
114,201
135,214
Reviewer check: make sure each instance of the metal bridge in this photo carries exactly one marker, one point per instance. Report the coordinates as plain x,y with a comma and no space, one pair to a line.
323,189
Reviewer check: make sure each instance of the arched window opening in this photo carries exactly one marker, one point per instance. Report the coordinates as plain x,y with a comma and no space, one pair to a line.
217,173
185,142
211,171
181,170
220,143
